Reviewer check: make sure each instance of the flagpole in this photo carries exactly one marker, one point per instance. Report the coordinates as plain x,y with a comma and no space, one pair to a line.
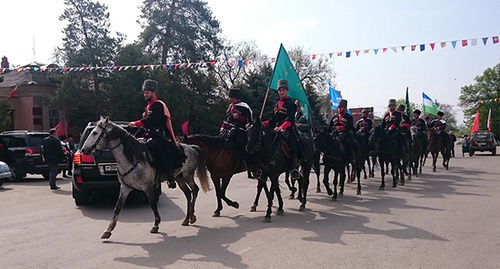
264,104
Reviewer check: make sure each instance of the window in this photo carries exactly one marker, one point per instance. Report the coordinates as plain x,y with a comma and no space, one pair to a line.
53,117
37,111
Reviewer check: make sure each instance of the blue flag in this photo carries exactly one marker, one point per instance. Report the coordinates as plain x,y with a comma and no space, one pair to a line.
335,98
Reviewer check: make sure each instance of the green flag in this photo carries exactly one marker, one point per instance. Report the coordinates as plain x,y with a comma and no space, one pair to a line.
283,69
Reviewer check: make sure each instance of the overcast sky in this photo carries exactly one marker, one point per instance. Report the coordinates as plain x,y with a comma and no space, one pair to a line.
320,27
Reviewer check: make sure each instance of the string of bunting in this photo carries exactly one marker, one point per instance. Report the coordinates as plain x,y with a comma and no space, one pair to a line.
347,54
471,103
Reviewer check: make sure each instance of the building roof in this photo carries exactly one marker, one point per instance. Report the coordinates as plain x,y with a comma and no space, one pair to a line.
29,75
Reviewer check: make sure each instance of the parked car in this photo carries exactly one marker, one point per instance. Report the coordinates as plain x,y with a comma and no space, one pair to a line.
4,172
23,153
97,172
483,141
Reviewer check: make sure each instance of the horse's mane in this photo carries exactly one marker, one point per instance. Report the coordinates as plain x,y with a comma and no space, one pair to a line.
210,140
132,149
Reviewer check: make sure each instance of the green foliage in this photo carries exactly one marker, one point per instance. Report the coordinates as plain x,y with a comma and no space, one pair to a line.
179,30
5,115
487,87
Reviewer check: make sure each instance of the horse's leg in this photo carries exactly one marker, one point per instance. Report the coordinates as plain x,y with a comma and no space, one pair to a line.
317,170
382,173
124,192
261,184
305,185
194,195
342,183
404,172
326,180
218,194
396,167
187,193
153,202
290,185
280,201
335,183
270,198
225,184
434,159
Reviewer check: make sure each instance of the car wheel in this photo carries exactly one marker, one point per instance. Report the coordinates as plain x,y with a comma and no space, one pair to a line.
471,152
1,182
16,174
81,197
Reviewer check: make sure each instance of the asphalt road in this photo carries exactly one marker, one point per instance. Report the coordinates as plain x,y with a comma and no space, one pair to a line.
446,219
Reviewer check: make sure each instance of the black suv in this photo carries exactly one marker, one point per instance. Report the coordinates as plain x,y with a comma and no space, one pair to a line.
483,141
95,173
23,153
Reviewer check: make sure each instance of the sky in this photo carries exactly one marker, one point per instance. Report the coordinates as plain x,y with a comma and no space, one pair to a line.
320,27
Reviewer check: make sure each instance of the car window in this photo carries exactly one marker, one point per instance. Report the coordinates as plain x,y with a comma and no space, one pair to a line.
36,140
14,141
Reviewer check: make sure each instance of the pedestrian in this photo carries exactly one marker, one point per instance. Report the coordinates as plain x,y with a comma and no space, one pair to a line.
156,120
66,150
54,155
72,150
453,139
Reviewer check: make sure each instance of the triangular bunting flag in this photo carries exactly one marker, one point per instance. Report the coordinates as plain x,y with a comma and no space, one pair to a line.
422,47
339,54
413,47
376,50
454,43
394,49
495,40
473,42
443,44
384,49
432,45
331,54
367,51
403,48
464,43
485,39
357,53
348,54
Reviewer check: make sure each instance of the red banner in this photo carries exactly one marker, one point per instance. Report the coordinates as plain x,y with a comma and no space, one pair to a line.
475,127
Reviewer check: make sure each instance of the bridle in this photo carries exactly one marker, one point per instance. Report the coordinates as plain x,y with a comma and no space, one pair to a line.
104,134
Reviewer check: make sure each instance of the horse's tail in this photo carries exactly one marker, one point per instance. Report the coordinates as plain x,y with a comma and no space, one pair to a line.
201,170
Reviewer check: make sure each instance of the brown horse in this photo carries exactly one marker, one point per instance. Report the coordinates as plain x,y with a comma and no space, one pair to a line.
222,163
436,146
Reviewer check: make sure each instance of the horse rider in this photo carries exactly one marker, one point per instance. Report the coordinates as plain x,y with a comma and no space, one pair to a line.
364,125
440,124
233,129
405,125
302,124
391,123
421,127
283,120
156,120
342,124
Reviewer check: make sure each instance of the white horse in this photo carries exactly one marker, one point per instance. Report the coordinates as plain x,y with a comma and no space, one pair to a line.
135,172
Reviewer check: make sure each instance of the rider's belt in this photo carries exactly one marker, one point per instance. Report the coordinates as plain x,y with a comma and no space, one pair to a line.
228,126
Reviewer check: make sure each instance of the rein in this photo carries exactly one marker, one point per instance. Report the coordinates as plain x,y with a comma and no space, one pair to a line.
104,134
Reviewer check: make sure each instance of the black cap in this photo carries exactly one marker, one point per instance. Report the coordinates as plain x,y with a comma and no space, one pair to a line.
441,113
235,93
416,111
342,103
150,85
401,107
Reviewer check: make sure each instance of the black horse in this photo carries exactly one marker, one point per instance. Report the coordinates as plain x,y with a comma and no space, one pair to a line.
334,157
386,152
268,146
417,152
437,146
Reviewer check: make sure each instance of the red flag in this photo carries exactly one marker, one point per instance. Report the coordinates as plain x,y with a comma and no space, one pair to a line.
59,129
13,92
185,128
489,120
475,126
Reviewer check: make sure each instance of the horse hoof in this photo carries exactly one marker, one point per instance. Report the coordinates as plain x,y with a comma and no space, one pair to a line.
318,190
185,222
402,183
394,185
330,192
216,214
302,208
334,199
253,208
365,177
341,195
154,230
381,188
358,192
106,235
192,219
291,197
267,219
236,205
279,212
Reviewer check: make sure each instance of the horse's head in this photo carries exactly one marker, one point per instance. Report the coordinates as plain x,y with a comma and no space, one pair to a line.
376,133
321,138
95,139
254,135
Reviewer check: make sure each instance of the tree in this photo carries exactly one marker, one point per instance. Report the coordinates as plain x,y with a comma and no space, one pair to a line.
5,115
487,87
175,30
86,42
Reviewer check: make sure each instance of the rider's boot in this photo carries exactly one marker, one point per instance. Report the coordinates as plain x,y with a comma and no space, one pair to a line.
171,179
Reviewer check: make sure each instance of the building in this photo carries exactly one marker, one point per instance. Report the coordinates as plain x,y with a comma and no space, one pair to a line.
28,111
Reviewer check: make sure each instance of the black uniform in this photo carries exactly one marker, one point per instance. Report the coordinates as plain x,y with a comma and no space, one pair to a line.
363,127
421,128
440,125
234,130
167,155
303,124
394,120
345,123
